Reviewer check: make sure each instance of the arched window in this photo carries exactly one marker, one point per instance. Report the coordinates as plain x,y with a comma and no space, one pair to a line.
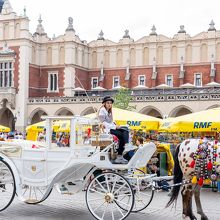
6,31
160,55
33,57
106,59
203,53
83,57
17,30
218,52
94,59
174,55
119,58
188,53
146,56
132,57
62,55
49,56
76,56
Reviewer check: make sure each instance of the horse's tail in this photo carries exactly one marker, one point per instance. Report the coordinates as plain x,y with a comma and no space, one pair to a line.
177,178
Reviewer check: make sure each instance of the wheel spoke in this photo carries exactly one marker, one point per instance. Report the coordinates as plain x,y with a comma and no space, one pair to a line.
99,206
101,185
103,215
122,202
119,209
95,191
112,211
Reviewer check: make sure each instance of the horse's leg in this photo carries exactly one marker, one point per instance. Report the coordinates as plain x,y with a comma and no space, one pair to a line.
198,203
187,202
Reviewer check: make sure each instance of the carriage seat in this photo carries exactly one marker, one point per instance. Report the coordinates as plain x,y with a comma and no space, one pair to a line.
102,140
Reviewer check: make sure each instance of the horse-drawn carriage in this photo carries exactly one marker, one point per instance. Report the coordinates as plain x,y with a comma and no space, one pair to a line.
31,170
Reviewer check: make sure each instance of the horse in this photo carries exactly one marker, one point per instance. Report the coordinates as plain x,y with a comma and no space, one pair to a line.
197,161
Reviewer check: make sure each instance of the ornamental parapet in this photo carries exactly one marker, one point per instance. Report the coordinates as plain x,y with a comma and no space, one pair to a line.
155,96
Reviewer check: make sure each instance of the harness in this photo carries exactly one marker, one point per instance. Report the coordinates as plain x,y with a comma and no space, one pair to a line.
204,161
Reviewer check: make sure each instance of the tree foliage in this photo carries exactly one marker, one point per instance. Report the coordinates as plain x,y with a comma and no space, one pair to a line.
122,99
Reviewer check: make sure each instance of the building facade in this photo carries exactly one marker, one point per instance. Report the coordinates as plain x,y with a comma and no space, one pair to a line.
40,75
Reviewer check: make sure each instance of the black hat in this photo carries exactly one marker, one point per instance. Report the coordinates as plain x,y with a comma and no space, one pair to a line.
107,98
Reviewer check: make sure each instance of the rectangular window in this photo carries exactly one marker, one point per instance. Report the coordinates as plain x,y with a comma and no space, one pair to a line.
169,80
116,81
6,74
52,82
94,82
141,80
198,79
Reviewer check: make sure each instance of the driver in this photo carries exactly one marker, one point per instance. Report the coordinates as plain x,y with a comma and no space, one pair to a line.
106,118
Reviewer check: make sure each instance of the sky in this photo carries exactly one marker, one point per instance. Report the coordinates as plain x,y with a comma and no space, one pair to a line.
115,16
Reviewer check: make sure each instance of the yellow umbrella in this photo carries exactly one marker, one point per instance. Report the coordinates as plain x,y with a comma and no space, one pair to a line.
4,129
133,119
37,126
166,124
203,121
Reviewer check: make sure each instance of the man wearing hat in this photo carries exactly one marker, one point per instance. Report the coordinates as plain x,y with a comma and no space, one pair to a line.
106,118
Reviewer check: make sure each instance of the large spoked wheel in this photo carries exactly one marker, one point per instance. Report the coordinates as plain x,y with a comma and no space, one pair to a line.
143,194
109,196
34,194
7,185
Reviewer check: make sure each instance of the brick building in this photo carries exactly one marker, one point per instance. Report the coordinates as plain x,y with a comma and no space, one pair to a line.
38,72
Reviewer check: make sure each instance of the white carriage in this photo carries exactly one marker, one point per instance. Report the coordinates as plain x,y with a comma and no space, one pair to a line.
31,170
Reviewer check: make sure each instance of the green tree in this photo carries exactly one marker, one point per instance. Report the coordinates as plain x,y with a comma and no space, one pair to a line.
122,99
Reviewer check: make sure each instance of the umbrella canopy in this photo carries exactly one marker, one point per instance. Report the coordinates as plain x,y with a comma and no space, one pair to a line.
163,86
79,89
99,88
213,84
139,87
4,129
187,86
133,119
39,126
166,124
203,121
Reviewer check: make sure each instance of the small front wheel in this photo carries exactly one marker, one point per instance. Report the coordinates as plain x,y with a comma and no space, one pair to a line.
34,194
7,185
109,196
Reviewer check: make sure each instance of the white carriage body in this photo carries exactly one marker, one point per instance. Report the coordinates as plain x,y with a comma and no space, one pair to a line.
44,164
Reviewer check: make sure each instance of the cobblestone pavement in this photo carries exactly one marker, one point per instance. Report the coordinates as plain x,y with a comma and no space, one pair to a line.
64,207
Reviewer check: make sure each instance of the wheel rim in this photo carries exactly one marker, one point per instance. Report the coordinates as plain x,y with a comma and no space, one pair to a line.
105,192
33,194
7,185
143,195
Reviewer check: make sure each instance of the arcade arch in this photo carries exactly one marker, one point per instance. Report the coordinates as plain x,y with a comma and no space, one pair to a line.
6,118
213,106
35,116
151,111
180,110
88,110
64,112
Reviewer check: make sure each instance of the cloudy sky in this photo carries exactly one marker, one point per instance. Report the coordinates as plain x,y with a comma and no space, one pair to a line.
115,16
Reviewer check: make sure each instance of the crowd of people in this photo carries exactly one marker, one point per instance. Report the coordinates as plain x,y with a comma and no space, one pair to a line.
12,135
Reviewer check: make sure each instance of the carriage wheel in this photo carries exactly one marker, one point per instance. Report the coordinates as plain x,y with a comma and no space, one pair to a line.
143,194
143,190
109,196
34,194
7,185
